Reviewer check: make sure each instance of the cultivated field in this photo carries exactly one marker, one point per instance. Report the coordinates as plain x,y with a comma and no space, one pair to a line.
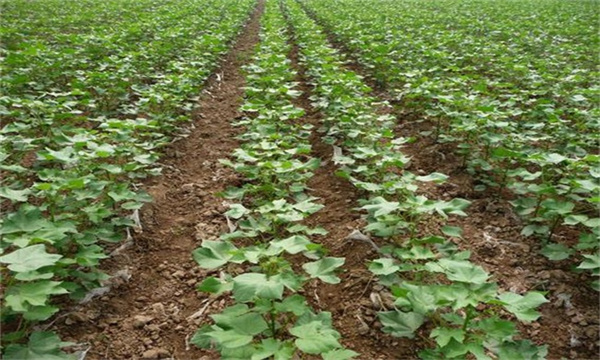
300,179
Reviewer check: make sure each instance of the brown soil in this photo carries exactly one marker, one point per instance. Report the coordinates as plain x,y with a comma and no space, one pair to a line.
150,315
570,321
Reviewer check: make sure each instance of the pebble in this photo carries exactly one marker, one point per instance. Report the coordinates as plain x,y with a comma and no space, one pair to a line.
140,320
179,274
158,308
158,353
153,328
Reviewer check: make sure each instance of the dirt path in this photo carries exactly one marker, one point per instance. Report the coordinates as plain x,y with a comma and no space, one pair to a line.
492,232
150,315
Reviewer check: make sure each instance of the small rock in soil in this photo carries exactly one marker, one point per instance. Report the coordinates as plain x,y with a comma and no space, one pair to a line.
159,353
591,332
141,320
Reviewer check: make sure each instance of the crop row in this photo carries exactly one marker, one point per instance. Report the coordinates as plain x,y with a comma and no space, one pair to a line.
84,118
437,290
516,101
268,256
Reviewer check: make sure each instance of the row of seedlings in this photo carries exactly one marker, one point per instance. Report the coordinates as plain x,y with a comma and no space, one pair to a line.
526,121
260,256
71,163
437,290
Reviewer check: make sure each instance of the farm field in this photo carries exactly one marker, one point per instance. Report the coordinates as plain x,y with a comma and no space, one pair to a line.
300,179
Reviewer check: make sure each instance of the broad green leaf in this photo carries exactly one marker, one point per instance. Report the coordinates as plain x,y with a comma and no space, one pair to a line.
315,337
383,266
380,206
522,350
435,177
14,195
214,286
247,287
590,262
293,244
213,254
324,269
295,304
452,231
443,335
229,338
399,323
339,354
41,346
523,307
249,323
32,293
236,211
25,220
463,271
29,258
554,251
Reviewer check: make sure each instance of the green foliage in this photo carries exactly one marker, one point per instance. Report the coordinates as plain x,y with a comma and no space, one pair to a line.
516,105
268,320
85,114
465,301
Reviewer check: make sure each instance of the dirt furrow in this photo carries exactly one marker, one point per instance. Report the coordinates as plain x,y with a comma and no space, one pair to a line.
350,302
492,232
154,309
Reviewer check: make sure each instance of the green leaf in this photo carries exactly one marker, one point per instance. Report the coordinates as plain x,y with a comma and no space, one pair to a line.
463,271
29,258
315,337
400,324
41,346
523,307
452,231
214,286
555,158
380,206
248,323
213,254
25,220
590,262
229,338
324,269
443,335
574,219
522,350
32,293
274,348
236,211
556,252
292,245
295,304
14,195
339,354
435,177
246,287
383,266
